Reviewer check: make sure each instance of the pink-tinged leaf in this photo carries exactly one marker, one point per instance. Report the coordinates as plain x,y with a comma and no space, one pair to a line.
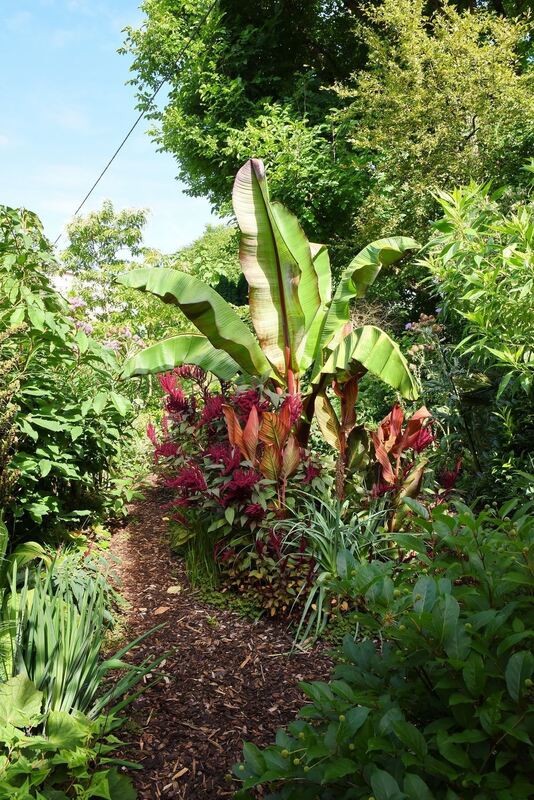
291,457
349,396
275,428
327,421
271,462
412,430
251,433
235,434
382,457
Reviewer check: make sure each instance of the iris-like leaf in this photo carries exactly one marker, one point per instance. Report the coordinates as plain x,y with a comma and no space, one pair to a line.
368,349
277,263
186,348
206,309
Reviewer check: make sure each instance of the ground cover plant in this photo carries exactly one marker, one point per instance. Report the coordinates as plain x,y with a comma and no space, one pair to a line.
434,698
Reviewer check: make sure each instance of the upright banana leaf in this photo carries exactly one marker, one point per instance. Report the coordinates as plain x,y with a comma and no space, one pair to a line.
276,260
206,309
187,348
356,279
321,264
369,349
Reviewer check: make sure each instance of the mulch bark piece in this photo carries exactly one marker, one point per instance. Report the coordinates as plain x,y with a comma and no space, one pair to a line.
228,679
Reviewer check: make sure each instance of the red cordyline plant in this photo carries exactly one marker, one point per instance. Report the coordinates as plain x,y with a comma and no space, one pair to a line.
229,455
397,450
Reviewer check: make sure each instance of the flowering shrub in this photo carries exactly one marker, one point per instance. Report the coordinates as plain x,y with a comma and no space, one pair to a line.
231,456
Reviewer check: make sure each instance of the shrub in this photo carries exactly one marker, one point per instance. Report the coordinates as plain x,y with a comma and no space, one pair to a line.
436,701
72,424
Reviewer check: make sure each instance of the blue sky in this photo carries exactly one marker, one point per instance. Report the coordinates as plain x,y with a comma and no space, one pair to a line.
65,107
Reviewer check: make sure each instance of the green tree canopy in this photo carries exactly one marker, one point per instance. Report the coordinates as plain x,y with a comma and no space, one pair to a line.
359,109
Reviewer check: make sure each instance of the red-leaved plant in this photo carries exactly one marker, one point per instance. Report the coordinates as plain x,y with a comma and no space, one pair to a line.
231,456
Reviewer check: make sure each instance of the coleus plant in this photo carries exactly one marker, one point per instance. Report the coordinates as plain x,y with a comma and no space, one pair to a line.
392,444
302,328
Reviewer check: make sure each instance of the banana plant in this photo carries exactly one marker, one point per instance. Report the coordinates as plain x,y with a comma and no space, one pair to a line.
302,330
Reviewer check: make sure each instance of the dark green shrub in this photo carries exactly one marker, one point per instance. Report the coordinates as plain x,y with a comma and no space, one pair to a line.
436,701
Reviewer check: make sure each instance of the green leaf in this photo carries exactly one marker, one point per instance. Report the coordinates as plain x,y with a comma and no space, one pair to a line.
64,731
385,787
184,349
518,669
121,403
452,752
368,349
356,717
416,789
411,737
358,276
276,260
20,702
338,768
206,309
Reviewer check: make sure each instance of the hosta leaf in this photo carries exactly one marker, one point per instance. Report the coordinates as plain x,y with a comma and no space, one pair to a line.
358,276
277,263
368,349
183,349
206,309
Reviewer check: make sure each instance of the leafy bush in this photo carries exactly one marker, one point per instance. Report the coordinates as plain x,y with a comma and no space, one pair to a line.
72,423
56,700
55,755
436,702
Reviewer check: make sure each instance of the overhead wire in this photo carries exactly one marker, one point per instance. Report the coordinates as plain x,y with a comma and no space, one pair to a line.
142,114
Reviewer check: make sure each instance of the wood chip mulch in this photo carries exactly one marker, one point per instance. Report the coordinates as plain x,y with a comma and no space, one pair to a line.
228,679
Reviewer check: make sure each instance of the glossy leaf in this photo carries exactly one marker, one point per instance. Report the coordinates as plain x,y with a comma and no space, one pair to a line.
206,309
276,261
368,349
183,349
358,276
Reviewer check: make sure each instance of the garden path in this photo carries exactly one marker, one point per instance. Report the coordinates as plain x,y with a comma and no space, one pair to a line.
227,680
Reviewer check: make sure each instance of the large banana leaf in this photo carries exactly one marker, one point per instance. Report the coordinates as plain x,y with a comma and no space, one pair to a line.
357,277
277,263
187,348
368,349
206,309
321,264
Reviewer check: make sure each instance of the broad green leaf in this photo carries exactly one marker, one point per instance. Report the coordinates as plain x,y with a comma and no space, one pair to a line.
183,349
321,264
368,349
20,702
385,787
121,403
416,789
358,276
65,731
277,263
411,737
338,768
519,668
206,309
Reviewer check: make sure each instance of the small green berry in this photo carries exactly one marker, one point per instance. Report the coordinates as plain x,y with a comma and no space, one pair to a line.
528,683
342,718
306,769
241,768
468,626
396,593
352,746
284,753
418,596
296,761
302,735
402,627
